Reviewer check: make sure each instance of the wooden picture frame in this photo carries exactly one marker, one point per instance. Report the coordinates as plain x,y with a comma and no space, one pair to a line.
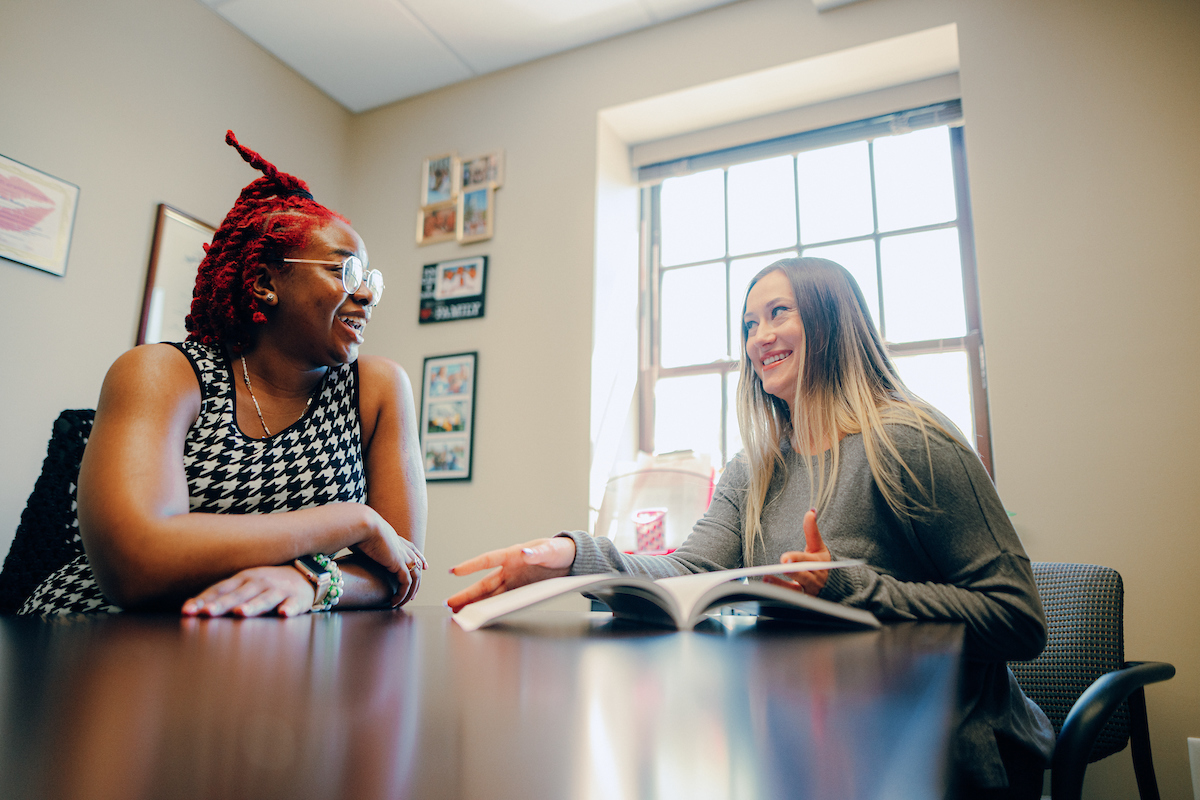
482,170
175,254
437,223
448,416
476,214
37,217
440,179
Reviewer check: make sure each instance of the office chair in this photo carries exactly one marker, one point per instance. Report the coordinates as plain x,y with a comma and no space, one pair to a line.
47,537
1093,697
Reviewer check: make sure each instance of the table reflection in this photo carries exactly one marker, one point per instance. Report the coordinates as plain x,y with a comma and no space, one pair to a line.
405,704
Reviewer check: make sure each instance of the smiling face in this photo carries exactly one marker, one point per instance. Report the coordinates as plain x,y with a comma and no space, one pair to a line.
774,335
313,308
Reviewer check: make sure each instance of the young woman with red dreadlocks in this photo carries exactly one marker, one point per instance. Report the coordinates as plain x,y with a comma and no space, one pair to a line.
263,465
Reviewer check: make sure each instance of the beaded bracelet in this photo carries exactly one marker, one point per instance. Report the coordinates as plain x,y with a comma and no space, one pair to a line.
337,583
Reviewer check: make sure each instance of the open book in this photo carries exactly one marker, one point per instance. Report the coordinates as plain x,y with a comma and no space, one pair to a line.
679,602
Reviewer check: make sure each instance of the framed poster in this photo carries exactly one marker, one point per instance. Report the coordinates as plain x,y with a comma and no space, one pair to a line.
453,290
37,214
483,170
448,416
475,214
178,248
439,179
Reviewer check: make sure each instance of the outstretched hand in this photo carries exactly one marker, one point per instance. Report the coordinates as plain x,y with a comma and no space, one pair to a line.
814,550
519,565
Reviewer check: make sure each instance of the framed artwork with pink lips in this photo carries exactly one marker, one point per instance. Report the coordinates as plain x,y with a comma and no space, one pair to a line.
37,214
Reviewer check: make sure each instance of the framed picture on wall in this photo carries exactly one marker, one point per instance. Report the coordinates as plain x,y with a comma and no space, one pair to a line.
37,214
437,223
475,214
483,170
176,253
448,416
453,290
439,179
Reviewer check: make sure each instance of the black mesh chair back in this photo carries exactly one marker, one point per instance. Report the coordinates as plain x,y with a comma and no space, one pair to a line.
1095,699
48,536
1085,607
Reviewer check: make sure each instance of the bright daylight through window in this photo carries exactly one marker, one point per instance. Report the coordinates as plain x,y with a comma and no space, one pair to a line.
890,206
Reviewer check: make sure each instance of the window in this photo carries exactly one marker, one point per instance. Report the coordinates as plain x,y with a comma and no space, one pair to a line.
886,198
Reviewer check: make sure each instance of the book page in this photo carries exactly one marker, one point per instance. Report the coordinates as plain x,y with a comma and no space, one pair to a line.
688,589
484,611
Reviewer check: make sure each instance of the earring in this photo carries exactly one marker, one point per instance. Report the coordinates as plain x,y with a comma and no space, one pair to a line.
270,298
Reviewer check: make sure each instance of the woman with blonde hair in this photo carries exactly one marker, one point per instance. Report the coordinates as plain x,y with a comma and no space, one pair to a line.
832,435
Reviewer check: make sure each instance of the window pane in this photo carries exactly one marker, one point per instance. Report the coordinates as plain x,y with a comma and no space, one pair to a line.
914,179
762,206
835,193
922,286
859,260
733,435
944,381
693,315
693,217
740,272
687,415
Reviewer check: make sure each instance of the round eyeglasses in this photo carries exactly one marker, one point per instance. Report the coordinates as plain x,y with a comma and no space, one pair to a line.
353,275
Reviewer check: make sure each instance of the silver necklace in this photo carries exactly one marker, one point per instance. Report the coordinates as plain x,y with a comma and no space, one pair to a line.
246,377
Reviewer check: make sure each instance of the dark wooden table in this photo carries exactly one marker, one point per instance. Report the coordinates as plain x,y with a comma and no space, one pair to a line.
405,704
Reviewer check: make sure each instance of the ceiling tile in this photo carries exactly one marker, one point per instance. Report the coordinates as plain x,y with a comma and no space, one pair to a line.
363,53
663,10
500,33
367,53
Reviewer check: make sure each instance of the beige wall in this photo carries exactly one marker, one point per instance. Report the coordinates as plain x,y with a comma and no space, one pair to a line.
130,101
1084,175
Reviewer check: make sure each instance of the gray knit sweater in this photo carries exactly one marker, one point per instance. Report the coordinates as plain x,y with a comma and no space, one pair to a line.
962,562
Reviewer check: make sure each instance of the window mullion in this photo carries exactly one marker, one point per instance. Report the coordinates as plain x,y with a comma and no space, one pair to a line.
648,331
877,240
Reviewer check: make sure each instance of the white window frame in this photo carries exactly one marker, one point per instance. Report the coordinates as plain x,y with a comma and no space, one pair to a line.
651,176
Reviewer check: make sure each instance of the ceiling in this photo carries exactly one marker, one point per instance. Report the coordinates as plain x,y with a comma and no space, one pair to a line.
368,53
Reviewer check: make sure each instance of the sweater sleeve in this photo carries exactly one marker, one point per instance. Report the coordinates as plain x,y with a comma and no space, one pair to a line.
979,572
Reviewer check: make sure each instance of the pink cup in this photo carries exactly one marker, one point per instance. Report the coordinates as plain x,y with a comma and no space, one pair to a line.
649,523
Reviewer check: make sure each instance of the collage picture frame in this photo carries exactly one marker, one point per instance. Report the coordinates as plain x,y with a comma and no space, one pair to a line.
458,197
448,416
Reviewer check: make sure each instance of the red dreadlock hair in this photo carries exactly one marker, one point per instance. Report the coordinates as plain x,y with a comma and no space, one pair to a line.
272,216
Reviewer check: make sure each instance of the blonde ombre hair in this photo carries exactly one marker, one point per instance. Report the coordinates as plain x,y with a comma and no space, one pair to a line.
847,385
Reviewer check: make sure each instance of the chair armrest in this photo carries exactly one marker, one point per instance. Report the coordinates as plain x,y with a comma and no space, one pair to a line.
1088,716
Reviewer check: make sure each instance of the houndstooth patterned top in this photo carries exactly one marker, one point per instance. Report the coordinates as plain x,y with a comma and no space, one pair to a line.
313,462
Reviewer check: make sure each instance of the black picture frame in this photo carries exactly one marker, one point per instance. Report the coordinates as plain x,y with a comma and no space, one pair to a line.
453,290
448,390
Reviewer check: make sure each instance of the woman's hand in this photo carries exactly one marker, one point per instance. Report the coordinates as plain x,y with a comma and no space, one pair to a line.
814,550
519,565
394,553
255,591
